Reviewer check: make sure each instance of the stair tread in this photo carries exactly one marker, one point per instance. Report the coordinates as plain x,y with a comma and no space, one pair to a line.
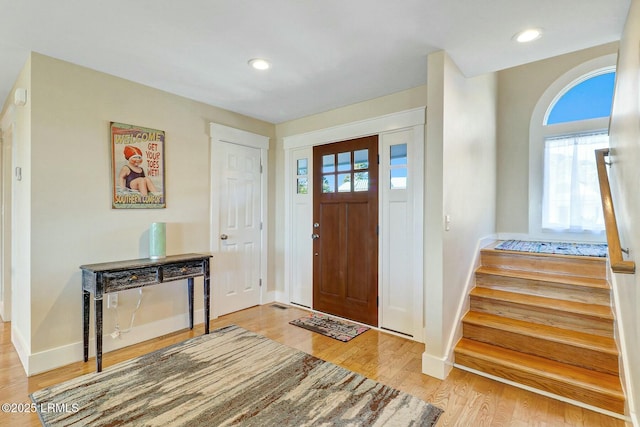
589,282
547,332
579,377
593,310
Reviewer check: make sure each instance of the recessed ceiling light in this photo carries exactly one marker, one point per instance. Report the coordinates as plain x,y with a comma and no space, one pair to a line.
528,35
260,64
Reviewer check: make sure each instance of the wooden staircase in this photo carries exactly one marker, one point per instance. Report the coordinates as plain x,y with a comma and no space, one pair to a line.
544,321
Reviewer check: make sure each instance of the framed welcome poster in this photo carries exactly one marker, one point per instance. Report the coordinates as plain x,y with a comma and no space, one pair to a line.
137,155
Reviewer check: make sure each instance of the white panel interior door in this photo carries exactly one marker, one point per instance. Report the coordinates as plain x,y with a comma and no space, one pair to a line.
236,274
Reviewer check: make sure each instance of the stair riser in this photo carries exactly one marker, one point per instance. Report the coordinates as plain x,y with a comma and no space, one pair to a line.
576,266
539,381
544,315
561,352
546,289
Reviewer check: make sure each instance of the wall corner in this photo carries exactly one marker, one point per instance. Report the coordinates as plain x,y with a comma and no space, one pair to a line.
435,366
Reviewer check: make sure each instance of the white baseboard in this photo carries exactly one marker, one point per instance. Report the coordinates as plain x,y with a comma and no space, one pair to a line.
5,311
544,393
463,303
281,296
21,348
64,355
435,366
269,297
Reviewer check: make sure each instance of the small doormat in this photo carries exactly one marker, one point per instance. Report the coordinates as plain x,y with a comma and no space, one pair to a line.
331,327
559,248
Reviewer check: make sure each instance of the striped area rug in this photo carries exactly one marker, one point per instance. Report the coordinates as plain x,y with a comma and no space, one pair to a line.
229,377
559,248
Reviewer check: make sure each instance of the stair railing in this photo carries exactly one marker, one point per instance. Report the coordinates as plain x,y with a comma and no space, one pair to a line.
618,264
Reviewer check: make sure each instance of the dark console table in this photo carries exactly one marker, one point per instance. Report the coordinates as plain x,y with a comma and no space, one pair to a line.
107,277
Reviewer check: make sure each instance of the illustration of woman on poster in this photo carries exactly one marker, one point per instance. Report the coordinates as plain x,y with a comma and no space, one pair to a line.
138,167
132,174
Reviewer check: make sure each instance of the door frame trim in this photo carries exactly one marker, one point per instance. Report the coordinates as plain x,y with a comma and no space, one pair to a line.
221,134
372,126
412,118
7,166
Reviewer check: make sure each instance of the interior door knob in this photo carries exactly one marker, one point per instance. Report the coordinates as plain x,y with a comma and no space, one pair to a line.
223,237
315,236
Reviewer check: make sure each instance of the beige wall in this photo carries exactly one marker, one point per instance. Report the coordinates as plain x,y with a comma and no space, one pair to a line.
519,89
460,182
400,101
625,149
21,216
70,217
469,180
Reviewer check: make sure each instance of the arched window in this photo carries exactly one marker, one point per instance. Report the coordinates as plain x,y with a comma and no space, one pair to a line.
572,122
588,98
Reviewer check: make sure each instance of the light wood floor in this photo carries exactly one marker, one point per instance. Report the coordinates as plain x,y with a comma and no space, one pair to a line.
467,399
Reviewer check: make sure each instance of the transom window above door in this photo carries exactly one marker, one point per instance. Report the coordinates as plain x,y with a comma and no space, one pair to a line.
345,172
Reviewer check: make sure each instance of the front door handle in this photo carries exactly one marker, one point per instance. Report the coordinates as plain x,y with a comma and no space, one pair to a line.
315,236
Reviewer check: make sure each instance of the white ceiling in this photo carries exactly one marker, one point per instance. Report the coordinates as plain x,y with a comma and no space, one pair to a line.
325,53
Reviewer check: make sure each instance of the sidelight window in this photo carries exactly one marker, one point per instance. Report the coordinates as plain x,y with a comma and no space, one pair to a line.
302,172
398,167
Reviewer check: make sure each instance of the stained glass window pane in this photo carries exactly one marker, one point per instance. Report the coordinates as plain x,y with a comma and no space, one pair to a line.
328,183
344,161
344,182
361,159
398,178
302,167
303,186
361,181
399,154
398,165
328,163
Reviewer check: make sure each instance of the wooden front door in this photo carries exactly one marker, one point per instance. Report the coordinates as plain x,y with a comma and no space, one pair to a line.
345,221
